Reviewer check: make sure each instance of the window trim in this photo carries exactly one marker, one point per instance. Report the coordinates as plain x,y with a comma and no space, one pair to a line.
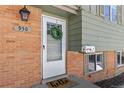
119,14
101,11
120,59
96,61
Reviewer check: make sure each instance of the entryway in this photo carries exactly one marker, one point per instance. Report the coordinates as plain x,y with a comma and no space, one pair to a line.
53,49
79,83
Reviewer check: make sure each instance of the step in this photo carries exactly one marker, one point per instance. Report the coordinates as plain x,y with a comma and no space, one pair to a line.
44,81
81,83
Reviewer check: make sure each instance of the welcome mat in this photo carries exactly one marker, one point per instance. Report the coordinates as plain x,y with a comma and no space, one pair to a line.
61,83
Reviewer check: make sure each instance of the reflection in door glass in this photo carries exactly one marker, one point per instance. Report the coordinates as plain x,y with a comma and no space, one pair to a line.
54,47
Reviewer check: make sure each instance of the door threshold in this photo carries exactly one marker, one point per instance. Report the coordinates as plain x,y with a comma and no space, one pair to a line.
44,81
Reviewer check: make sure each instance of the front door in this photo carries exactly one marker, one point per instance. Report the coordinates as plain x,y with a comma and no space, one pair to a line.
53,49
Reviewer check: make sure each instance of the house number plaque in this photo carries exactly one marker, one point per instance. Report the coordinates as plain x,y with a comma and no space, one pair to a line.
23,28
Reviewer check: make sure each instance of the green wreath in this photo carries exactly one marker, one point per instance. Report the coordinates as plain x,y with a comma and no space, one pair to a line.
56,33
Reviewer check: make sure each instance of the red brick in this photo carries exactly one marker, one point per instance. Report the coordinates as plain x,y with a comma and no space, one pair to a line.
19,51
75,63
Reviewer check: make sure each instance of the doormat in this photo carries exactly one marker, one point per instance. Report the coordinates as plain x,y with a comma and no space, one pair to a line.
61,83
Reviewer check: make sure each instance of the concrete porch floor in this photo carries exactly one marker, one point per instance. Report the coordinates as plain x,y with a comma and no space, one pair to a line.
81,83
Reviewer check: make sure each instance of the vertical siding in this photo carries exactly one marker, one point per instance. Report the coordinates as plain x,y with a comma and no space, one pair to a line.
74,32
103,34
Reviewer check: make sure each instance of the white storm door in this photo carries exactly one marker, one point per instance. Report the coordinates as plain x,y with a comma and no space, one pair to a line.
53,50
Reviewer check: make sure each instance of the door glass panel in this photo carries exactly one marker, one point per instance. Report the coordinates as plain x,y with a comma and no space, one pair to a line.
54,47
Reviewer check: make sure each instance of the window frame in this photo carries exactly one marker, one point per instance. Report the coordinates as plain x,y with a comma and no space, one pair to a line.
119,14
120,59
98,53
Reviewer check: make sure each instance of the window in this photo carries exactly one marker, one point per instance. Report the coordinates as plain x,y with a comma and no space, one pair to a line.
99,62
95,62
107,11
114,13
111,12
120,58
92,63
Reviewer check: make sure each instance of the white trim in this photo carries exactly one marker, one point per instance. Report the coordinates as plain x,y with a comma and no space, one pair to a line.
99,53
62,63
57,18
95,71
65,8
41,42
120,52
120,59
120,65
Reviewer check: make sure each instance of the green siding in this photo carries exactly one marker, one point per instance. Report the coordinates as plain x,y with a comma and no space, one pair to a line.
91,29
88,28
74,32
101,33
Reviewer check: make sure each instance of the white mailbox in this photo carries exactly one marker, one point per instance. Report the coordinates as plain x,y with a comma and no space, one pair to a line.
89,49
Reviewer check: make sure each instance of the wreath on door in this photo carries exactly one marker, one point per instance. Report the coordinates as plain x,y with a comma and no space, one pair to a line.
56,32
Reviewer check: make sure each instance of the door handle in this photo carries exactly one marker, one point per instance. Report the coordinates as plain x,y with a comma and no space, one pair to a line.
43,46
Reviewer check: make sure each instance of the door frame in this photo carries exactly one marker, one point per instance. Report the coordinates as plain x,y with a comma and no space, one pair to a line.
42,59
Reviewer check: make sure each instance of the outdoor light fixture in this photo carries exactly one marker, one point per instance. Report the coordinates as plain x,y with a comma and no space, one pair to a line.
24,12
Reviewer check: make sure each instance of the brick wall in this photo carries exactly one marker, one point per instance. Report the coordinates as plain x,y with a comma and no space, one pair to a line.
19,51
75,63
110,63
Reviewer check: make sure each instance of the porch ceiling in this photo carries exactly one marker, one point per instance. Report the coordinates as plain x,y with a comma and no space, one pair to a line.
60,10
69,8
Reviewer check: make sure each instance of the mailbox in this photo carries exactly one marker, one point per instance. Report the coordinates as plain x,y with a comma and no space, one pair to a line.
89,49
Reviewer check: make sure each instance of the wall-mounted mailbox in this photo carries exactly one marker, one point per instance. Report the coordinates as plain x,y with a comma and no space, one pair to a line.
89,49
